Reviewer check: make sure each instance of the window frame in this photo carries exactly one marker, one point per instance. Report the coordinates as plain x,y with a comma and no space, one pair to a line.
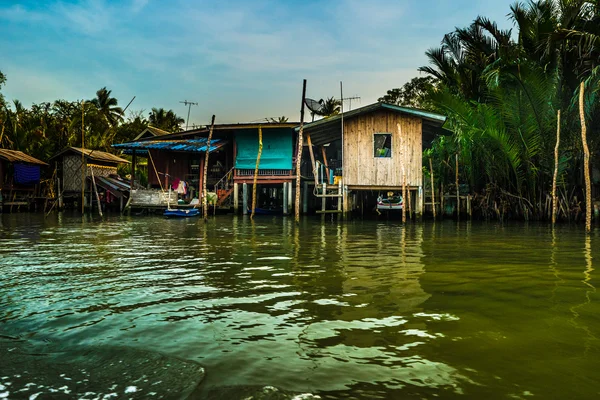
388,138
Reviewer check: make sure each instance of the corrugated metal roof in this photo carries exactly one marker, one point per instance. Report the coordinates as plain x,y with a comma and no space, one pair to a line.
152,131
15,156
184,145
94,155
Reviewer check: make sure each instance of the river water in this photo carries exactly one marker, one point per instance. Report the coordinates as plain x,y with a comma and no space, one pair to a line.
330,310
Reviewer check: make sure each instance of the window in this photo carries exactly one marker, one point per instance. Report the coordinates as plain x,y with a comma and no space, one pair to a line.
382,145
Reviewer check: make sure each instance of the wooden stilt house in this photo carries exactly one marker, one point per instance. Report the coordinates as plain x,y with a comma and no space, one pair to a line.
231,163
373,150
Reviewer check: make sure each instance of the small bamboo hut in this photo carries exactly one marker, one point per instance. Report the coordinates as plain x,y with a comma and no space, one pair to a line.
75,164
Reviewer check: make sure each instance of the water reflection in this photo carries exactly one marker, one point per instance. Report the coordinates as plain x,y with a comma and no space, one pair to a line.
358,308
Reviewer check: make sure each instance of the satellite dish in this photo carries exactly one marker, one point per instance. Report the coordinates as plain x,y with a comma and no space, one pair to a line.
313,105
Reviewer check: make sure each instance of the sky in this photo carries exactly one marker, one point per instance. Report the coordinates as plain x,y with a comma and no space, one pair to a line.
242,60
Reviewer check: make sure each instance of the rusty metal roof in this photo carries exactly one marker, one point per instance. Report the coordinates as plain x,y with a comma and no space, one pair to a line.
94,155
182,145
15,156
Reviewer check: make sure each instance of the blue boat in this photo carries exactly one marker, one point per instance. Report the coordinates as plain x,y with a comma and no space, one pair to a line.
181,213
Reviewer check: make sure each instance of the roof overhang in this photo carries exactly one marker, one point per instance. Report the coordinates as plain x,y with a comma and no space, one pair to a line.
15,156
197,145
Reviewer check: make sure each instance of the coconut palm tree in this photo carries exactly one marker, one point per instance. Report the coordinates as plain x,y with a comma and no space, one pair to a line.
165,120
330,106
107,107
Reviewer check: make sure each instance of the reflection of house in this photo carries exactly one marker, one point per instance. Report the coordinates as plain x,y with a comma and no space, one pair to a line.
231,164
376,148
74,164
19,178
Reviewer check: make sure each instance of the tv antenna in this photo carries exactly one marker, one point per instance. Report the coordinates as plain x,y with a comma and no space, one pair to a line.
314,107
350,101
189,104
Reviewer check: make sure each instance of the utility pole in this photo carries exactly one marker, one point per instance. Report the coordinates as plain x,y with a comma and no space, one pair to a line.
189,104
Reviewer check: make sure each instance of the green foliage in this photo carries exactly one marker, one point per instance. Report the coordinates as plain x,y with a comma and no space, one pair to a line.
329,107
501,97
165,120
415,93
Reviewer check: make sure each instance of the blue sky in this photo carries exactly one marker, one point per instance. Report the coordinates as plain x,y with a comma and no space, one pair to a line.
241,60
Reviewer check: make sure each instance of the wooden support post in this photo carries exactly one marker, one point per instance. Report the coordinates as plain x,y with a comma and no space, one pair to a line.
290,197
432,188
404,196
285,198
586,161
96,191
442,210
299,153
419,203
255,186
554,178
305,198
457,191
326,163
204,191
245,198
312,158
324,199
469,206
236,197
340,200
133,162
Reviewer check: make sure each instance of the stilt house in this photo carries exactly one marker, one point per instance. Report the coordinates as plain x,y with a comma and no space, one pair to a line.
375,149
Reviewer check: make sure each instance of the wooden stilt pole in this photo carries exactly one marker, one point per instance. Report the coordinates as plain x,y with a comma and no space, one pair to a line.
204,192
82,159
554,178
260,146
299,153
312,158
432,188
96,191
457,191
586,162
404,199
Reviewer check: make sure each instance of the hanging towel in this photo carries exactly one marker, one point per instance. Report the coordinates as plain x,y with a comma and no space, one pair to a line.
27,174
181,187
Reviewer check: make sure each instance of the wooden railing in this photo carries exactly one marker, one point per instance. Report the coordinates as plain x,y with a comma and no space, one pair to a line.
264,172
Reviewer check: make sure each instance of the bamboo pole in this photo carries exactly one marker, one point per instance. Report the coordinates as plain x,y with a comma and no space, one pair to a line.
204,193
457,191
554,178
586,162
403,194
432,187
96,191
82,159
260,146
299,155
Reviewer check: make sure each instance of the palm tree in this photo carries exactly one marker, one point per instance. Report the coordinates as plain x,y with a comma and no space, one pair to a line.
107,107
330,106
278,120
165,120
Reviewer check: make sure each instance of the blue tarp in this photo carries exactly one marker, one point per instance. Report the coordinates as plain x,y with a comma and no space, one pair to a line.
26,174
276,152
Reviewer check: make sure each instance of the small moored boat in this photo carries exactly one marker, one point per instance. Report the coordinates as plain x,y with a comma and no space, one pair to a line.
390,203
181,213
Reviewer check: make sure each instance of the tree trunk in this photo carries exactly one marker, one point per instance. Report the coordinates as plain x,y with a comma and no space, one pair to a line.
204,192
457,191
554,197
586,162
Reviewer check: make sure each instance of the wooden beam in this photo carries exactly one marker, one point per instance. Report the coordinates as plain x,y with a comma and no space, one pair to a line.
312,157
299,153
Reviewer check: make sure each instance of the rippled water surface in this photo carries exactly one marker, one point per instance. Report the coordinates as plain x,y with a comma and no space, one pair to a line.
359,309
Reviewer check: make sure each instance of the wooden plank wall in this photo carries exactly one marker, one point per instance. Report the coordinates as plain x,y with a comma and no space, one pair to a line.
362,168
